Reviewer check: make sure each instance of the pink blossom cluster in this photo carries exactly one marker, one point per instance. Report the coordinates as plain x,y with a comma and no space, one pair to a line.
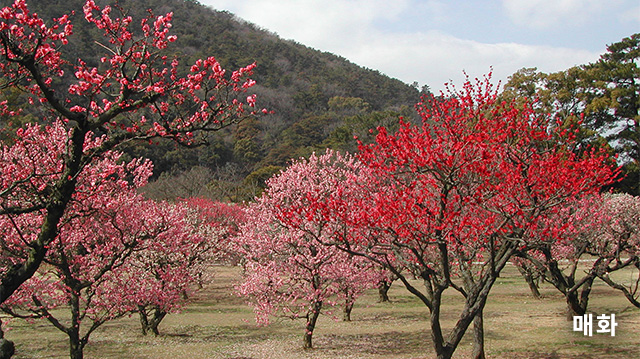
115,251
289,268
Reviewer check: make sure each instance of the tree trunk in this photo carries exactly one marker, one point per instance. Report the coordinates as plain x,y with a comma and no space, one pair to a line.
348,307
472,313
158,315
383,291
144,320
76,342
312,318
36,250
150,324
445,353
533,287
531,281
478,336
7,348
442,351
573,306
577,304
76,346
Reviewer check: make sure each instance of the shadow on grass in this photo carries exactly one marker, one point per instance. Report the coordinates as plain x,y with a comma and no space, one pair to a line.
554,355
389,343
209,334
393,317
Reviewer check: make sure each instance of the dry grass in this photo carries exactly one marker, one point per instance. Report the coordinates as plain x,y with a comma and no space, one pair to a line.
219,325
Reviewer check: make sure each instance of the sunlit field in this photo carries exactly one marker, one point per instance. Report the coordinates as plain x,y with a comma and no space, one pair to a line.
218,324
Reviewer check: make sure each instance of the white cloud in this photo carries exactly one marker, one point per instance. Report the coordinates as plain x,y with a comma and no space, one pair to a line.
316,23
540,14
352,29
434,58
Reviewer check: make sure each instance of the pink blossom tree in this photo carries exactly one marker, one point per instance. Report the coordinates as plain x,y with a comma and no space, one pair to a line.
135,74
619,245
603,228
116,252
288,271
105,223
172,265
557,259
219,222
180,260
352,276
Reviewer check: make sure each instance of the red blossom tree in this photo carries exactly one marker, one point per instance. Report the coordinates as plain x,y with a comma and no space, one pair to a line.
287,269
450,201
134,93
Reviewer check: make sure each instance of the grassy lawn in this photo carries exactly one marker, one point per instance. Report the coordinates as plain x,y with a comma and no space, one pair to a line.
219,325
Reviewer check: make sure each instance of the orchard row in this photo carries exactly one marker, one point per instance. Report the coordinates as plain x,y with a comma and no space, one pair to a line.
451,199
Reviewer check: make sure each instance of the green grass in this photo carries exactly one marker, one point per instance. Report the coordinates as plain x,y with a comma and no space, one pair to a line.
219,325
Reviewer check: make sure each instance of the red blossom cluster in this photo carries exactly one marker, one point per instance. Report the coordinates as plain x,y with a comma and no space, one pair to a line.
134,67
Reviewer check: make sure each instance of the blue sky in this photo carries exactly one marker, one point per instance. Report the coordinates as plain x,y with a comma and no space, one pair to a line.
434,41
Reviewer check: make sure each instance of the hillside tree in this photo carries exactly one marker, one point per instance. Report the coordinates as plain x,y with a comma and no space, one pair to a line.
602,98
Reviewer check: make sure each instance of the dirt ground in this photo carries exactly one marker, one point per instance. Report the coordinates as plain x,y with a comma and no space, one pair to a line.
217,324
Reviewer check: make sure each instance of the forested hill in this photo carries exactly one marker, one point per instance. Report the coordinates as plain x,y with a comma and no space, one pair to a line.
319,99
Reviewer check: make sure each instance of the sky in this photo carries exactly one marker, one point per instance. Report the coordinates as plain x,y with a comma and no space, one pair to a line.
433,42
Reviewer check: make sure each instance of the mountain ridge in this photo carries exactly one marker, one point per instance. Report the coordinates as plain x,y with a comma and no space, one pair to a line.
319,99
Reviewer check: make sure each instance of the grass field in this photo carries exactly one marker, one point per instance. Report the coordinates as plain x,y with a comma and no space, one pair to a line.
219,325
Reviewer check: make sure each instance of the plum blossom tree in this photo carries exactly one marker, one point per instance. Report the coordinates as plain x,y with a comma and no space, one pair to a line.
288,271
619,245
603,229
385,280
352,277
105,224
115,253
134,93
450,201
219,222
556,260
171,266
179,261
